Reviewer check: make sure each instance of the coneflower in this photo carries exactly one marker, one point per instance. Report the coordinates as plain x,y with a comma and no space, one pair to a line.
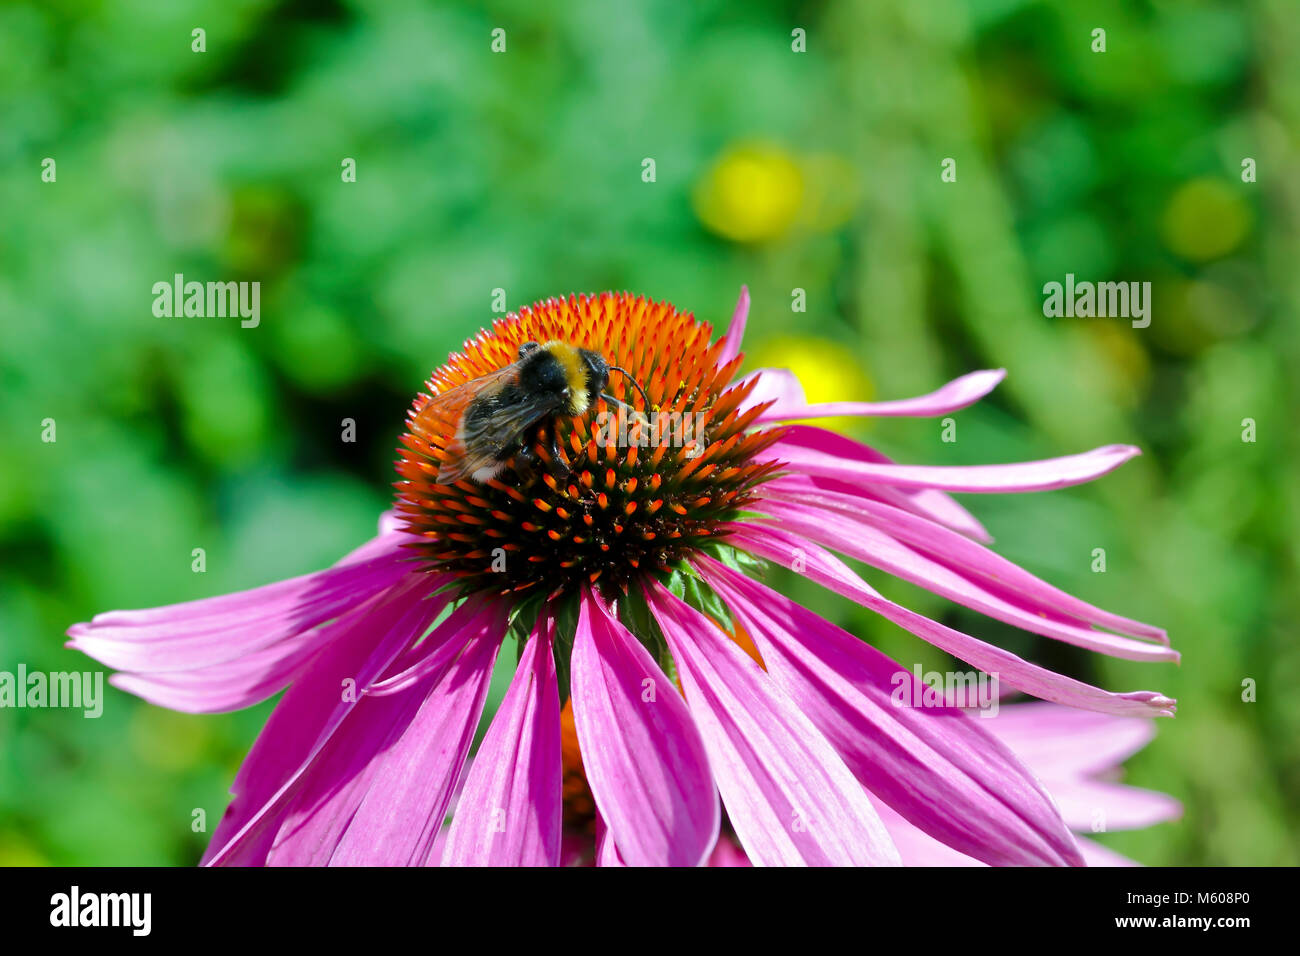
616,564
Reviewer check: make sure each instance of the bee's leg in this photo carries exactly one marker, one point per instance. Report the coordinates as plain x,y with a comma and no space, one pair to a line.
526,458
558,467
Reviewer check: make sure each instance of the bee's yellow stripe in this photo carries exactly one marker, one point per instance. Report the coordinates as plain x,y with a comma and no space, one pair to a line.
575,373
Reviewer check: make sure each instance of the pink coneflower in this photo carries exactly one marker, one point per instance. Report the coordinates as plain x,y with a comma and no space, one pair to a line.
617,574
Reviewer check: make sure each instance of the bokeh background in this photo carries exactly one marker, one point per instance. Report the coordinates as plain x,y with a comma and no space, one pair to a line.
522,171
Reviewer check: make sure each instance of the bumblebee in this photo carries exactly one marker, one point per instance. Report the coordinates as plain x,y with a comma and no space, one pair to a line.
499,416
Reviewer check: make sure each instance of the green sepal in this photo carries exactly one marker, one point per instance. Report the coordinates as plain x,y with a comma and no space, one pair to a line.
687,584
523,618
566,630
737,559
637,617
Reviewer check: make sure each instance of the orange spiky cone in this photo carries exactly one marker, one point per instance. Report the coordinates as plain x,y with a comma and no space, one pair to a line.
616,506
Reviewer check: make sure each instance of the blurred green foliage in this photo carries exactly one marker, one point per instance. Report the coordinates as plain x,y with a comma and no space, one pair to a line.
522,171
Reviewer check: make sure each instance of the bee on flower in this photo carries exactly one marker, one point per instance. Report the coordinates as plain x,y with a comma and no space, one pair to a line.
620,576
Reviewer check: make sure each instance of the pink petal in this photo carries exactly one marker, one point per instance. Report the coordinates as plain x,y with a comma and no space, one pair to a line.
358,650
859,539
231,685
938,767
929,503
413,781
791,405
956,551
823,567
606,852
918,848
736,330
510,811
727,853
1088,803
215,630
391,521
1063,743
780,386
854,462
942,508
1098,855
339,778
644,759
788,794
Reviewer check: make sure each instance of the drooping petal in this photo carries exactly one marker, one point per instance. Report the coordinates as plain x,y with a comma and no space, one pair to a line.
1063,743
641,751
1098,855
929,503
727,853
920,849
391,521
788,794
854,462
510,810
333,786
1098,805
472,620
358,649
957,551
1067,747
736,330
818,564
938,767
199,634
398,820
782,387
944,509
606,852
342,774
915,846
860,539
253,677
231,685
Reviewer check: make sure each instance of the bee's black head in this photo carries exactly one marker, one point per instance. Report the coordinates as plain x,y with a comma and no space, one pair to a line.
597,371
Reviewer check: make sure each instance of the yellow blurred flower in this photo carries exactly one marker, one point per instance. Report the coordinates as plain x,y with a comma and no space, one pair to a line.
1205,219
753,193
827,370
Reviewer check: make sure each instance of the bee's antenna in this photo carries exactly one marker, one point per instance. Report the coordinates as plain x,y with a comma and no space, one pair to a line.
620,402
635,384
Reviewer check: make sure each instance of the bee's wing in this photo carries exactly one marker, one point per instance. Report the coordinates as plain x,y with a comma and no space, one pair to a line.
488,438
440,417
480,422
